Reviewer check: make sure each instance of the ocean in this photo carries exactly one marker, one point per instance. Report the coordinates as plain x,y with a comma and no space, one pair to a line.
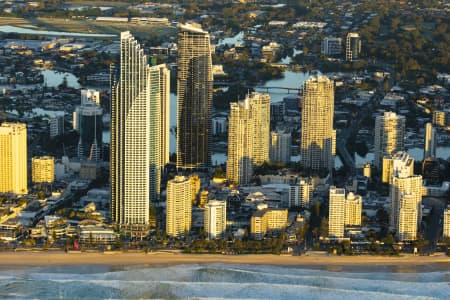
220,281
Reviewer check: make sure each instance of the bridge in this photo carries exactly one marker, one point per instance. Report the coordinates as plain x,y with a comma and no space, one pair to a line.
281,89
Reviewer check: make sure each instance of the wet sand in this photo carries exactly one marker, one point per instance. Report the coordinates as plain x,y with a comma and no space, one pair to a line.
405,263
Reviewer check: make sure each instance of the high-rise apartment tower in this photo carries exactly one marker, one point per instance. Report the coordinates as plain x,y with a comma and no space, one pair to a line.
318,138
389,136
138,93
248,136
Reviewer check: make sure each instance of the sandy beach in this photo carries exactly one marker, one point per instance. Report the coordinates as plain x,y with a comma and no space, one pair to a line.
158,259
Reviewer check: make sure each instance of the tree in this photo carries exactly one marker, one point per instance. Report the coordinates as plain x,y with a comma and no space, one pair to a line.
323,229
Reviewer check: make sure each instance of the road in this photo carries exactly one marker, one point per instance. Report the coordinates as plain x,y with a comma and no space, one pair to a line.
352,130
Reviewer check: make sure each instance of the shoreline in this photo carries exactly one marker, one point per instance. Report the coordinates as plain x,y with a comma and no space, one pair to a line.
121,260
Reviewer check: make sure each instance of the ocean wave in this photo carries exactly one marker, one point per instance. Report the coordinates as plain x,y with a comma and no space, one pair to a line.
220,281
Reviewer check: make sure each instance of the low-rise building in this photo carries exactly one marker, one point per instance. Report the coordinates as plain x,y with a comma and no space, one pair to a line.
265,221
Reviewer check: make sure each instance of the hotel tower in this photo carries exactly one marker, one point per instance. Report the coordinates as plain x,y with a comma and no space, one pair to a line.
139,143
195,91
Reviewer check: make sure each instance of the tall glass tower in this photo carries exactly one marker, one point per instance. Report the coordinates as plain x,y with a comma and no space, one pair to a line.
139,109
195,91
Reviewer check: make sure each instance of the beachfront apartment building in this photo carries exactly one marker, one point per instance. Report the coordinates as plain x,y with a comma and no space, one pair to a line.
266,220
336,213
344,211
405,194
215,219
139,134
178,206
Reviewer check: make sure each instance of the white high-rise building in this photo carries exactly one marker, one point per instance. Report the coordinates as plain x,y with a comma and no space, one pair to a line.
430,141
401,164
215,219
13,158
301,195
446,223
407,218
178,206
138,92
389,136
343,211
406,197
248,136
280,147
318,137
336,213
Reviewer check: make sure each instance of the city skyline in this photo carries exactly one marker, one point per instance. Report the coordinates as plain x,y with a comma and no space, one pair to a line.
296,139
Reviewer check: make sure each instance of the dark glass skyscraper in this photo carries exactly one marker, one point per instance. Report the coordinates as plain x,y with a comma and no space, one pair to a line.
195,90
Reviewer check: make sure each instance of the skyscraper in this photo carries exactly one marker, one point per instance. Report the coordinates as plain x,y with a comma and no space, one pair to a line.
179,206
406,197
13,158
430,141
280,147
195,91
352,46
215,219
318,137
136,133
389,136
43,169
248,136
